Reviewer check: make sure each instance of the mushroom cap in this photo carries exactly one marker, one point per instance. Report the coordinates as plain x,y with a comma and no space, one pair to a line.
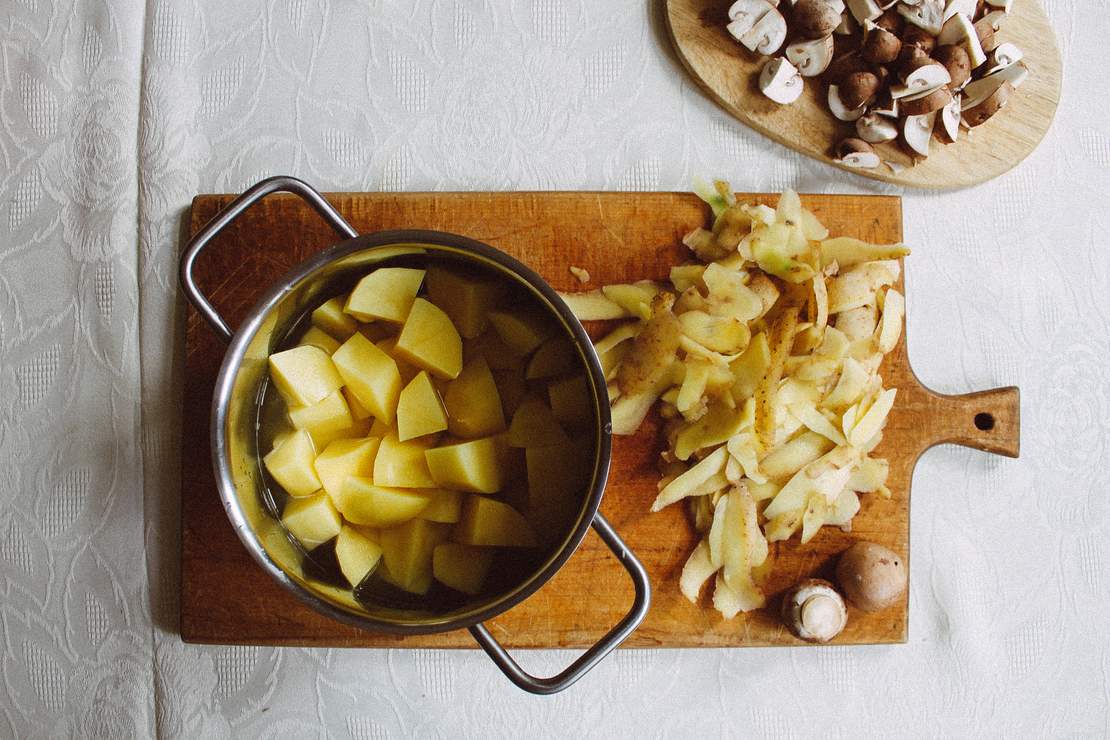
891,21
956,60
926,102
839,109
858,88
911,58
881,46
814,19
845,64
914,36
814,610
994,102
872,576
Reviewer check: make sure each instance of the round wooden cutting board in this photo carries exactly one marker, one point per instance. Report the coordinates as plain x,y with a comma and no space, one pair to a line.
729,73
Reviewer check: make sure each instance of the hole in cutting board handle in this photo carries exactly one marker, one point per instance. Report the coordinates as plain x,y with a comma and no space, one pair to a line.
984,422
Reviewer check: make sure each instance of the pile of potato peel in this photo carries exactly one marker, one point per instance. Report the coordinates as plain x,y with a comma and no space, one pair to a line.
763,358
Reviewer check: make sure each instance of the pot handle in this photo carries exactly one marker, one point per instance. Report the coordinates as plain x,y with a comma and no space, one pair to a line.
590,658
232,211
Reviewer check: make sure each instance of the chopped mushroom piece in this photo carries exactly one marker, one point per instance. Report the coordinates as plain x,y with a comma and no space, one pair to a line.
814,610
814,19
979,114
767,35
916,132
811,57
780,81
841,111
875,129
950,119
928,15
857,153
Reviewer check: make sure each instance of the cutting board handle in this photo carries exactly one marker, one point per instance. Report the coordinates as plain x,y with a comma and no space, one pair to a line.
985,420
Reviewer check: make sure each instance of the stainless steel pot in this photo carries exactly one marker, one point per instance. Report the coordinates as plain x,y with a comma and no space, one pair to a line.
237,395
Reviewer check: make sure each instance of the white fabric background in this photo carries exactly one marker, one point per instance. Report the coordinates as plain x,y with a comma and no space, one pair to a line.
114,113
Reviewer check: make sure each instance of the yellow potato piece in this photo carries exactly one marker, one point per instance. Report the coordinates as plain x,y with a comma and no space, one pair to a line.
522,332
555,357
429,341
473,402
357,554
461,567
534,425
304,375
419,409
498,355
317,337
444,505
386,294
362,502
490,523
466,299
370,375
407,552
358,411
330,318
402,464
312,520
406,369
324,421
571,402
343,459
467,466
290,464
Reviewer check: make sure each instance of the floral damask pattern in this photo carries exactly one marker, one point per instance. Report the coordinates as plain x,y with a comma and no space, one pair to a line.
113,115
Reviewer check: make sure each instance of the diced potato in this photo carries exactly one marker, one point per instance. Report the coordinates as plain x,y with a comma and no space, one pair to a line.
429,341
370,375
555,357
290,464
379,429
444,506
407,370
317,337
512,389
489,523
473,402
362,502
407,553
345,458
466,466
571,402
357,554
461,567
385,294
520,331
312,520
378,331
324,421
497,354
304,375
419,409
358,411
401,464
330,318
534,425
466,299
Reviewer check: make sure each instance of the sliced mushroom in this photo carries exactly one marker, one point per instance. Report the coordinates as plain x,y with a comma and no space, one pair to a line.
984,30
858,89
857,153
885,105
748,11
959,30
928,15
979,114
993,19
844,65
811,57
979,90
1004,5
879,45
780,81
926,102
967,7
912,36
838,109
950,119
814,19
875,129
927,77
955,59
1015,74
814,610
1003,56
864,10
916,132
767,35
891,21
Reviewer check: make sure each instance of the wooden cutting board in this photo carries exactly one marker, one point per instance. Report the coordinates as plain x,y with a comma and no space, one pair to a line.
618,237
729,73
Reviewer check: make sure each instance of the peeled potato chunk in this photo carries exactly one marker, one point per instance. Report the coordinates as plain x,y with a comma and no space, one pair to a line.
371,375
461,567
429,341
473,402
534,425
304,375
466,466
291,464
386,294
325,421
466,299
490,523
555,357
407,551
444,505
570,401
312,520
362,502
343,459
419,409
522,332
402,464
317,337
357,553
330,318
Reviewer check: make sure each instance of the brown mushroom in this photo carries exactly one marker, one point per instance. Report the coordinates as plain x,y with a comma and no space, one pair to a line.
858,88
844,65
891,21
914,36
872,576
910,59
814,610
979,114
927,102
881,46
857,153
814,19
956,61
985,31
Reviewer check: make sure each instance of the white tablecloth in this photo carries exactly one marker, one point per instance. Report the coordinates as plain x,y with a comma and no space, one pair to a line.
113,114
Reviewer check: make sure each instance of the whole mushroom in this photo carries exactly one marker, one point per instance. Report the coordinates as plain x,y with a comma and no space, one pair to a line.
872,576
814,611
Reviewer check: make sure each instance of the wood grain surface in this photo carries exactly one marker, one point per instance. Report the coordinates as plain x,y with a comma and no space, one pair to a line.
729,73
618,237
